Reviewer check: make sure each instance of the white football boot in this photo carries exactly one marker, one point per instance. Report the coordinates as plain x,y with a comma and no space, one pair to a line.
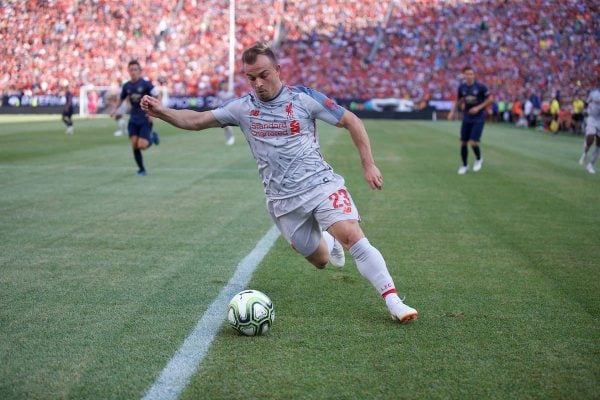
590,168
400,311
477,165
463,169
337,258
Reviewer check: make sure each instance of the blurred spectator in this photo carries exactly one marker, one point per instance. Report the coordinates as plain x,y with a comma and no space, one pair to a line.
578,106
545,115
517,112
565,119
529,113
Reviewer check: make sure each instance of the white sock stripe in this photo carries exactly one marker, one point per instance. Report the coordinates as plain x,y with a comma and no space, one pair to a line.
359,247
187,359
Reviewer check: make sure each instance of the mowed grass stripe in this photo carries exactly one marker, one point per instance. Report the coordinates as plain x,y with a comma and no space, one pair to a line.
493,261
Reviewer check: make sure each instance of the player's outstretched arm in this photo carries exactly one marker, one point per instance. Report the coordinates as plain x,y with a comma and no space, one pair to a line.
361,140
184,119
453,110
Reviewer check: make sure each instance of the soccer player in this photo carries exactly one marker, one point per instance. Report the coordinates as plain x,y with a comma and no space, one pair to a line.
67,114
140,130
592,130
475,97
224,94
306,199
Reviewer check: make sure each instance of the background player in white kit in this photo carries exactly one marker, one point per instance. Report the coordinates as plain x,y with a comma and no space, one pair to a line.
224,94
120,113
307,200
592,130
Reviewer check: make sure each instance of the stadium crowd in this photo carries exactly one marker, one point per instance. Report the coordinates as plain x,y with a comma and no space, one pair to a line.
347,48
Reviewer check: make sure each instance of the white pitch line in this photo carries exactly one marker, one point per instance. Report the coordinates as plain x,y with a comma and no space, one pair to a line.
187,359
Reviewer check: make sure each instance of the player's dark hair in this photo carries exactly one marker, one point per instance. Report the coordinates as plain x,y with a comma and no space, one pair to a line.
250,54
467,68
134,62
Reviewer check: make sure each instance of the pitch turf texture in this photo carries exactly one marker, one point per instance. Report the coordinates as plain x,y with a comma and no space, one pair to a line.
104,274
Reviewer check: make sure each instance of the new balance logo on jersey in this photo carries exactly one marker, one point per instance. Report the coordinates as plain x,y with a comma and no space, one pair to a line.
254,113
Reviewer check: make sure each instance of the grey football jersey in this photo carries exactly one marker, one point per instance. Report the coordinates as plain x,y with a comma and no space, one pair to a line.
593,104
282,134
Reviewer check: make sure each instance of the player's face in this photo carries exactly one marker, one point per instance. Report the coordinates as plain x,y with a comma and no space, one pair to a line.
134,72
469,76
263,77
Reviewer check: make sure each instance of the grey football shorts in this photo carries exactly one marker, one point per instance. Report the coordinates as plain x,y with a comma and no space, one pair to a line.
302,218
592,126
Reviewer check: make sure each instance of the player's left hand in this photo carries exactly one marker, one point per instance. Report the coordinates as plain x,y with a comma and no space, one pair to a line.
474,110
373,177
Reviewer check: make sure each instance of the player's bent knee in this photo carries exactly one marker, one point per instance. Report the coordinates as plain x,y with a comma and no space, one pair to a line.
348,240
320,265
347,233
319,258
318,261
349,237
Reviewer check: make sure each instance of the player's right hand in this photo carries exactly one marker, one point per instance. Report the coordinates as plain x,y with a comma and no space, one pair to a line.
373,177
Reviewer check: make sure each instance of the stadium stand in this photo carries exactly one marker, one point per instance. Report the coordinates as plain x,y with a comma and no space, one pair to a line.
339,46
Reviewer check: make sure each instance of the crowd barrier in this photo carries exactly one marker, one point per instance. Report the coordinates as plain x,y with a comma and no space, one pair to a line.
359,107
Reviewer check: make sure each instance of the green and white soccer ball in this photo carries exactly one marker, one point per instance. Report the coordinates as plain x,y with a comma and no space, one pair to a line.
251,313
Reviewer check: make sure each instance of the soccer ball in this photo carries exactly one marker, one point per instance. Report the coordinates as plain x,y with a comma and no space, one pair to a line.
250,312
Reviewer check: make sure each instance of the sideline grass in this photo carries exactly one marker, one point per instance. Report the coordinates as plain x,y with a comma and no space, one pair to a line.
104,274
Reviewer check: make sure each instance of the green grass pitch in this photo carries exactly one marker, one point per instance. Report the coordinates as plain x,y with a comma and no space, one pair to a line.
104,274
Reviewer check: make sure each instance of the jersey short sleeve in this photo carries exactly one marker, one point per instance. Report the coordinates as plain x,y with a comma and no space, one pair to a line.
320,106
228,113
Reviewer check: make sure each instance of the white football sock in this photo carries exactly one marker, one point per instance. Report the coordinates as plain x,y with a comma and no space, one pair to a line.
329,240
372,266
